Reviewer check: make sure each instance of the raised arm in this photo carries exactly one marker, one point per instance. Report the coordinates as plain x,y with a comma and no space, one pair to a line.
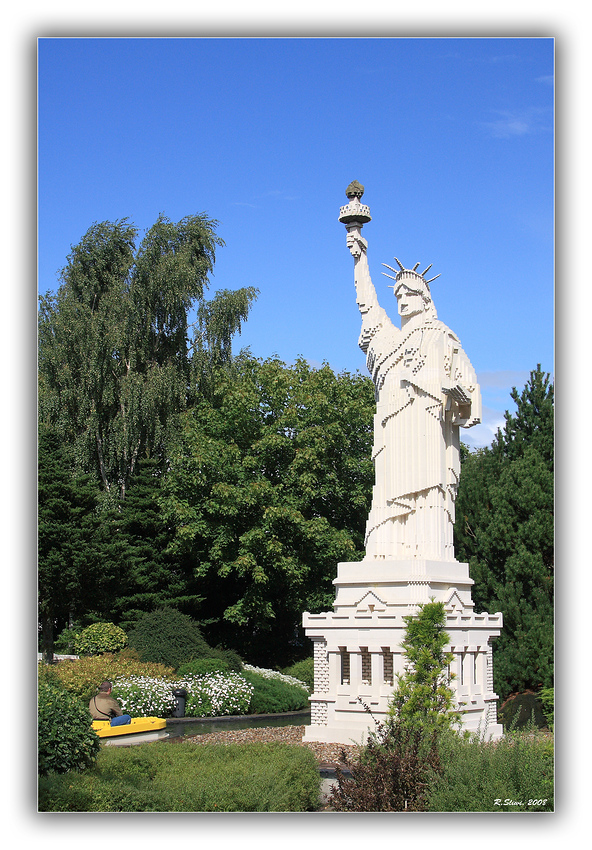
374,316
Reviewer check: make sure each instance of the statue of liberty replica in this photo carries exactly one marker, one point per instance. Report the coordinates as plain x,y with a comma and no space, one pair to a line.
426,390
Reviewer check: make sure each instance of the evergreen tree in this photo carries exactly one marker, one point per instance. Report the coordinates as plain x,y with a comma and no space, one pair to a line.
504,529
70,572
153,578
423,697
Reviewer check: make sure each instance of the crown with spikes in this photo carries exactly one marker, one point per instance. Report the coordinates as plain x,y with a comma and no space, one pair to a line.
404,275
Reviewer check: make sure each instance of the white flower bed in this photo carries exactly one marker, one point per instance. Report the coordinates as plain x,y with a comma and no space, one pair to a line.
208,695
144,696
216,694
273,674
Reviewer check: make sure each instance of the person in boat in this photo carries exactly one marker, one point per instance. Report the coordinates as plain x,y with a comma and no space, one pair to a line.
105,707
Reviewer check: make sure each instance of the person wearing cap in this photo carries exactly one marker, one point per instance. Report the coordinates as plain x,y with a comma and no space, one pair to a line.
105,707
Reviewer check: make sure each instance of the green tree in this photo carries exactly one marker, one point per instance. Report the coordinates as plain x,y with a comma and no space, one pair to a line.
67,524
423,696
151,576
84,560
504,529
401,759
218,320
114,347
268,489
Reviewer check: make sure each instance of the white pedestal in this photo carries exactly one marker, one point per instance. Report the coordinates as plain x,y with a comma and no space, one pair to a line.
357,646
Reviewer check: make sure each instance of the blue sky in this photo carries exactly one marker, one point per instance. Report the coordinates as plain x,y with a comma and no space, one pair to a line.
453,139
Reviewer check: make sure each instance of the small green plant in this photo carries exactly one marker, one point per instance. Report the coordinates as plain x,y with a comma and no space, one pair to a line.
99,638
423,696
65,739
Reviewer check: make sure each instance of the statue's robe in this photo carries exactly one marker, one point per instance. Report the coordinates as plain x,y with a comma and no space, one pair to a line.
416,448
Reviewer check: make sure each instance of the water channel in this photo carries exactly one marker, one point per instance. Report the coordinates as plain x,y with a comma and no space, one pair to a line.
182,727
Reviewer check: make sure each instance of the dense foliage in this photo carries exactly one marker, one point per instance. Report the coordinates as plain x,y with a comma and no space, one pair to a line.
114,371
189,778
515,774
167,636
504,529
113,343
65,739
81,678
100,637
547,697
76,568
268,488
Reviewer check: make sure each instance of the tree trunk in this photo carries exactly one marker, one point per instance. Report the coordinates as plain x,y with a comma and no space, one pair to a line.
47,638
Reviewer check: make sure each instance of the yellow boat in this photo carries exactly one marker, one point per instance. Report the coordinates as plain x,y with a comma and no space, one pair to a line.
140,730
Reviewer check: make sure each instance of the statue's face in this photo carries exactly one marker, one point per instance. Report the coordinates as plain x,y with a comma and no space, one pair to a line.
410,303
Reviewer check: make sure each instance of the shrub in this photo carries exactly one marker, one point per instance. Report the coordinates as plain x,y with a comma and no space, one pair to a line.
272,695
304,671
99,638
229,657
275,674
168,637
401,758
216,694
64,643
547,697
201,666
514,774
189,778
392,773
65,739
81,678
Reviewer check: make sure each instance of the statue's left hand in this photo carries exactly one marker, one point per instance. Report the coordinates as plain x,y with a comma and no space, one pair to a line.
458,393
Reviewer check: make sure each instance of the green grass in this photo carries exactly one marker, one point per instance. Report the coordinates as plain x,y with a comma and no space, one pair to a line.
165,777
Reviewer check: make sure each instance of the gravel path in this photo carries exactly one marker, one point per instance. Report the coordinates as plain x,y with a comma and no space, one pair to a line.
327,755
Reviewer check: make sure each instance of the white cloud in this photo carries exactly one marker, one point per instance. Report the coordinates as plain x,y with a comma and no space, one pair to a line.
503,379
519,123
482,435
